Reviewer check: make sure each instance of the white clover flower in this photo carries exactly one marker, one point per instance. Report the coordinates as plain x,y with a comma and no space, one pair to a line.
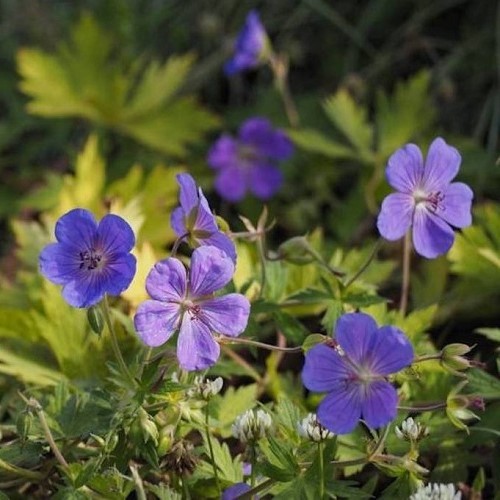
205,388
411,430
310,428
251,425
435,491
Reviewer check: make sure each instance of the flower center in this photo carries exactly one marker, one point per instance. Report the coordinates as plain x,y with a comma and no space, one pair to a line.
248,153
191,308
432,201
90,259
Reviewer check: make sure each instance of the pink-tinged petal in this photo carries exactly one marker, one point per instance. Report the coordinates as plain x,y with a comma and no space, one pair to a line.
354,332
84,291
77,228
222,241
340,410
167,280
265,180
115,235
231,183
405,169
395,216
441,166
188,193
59,263
211,269
379,404
432,236
227,314
389,352
223,153
118,273
155,322
324,369
178,221
196,348
455,208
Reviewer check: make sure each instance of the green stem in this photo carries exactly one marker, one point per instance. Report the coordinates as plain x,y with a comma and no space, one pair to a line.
427,357
211,450
364,267
381,441
19,471
252,372
37,407
321,471
185,489
261,245
177,243
253,457
262,345
424,407
139,486
405,284
114,341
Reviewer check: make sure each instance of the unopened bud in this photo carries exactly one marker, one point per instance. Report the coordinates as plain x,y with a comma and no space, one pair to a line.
310,428
95,319
296,250
457,407
252,425
411,431
452,358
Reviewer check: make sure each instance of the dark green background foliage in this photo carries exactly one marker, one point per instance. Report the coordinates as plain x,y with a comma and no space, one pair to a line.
103,102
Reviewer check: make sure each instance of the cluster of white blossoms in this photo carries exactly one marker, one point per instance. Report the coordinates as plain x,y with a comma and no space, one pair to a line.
310,428
435,491
205,388
411,430
252,425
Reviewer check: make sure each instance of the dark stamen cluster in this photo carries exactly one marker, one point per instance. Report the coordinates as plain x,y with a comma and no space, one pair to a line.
435,199
90,259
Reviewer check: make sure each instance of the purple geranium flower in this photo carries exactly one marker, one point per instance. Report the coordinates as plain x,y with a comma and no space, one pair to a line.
195,219
426,200
249,47
235,491
89,259
354,372
185,301
247,162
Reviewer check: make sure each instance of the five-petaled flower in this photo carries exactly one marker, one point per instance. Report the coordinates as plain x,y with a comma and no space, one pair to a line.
195,220
248,161
426,200
184,301
250,46
89,259
354,373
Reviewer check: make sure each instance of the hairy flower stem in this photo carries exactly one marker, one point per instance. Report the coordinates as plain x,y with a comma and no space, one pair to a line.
34,405
405,283
177,243
321,471
424,407
19,471
252,372
365,265
255,343
427,357
114,341
139,486
211,449
279,66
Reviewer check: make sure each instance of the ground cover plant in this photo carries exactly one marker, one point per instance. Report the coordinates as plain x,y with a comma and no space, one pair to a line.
271,292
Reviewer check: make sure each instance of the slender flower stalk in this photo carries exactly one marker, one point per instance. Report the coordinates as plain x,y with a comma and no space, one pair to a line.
114,342
405,283
269,347
365,265
321,471
423,407
211,448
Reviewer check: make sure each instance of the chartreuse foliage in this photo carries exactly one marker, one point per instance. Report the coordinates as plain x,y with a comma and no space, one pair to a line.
87,78
74,425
